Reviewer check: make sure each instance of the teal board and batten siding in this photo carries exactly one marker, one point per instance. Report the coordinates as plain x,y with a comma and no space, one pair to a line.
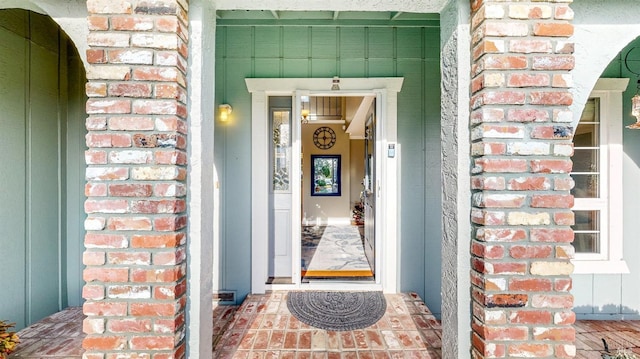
617,296
285,50
41,104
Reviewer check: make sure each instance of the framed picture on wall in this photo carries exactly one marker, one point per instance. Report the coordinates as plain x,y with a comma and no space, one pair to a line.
325,171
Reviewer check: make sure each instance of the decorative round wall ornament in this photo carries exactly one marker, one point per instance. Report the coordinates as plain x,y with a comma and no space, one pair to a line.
324,137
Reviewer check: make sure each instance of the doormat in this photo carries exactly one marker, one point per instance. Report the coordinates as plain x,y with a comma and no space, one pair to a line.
339,311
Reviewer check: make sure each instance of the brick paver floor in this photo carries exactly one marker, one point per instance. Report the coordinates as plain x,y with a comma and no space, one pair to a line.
263,327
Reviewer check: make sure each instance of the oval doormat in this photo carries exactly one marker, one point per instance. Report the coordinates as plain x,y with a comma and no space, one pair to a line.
337,311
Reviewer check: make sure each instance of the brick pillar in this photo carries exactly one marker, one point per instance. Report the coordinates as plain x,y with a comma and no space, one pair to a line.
135,239
521,205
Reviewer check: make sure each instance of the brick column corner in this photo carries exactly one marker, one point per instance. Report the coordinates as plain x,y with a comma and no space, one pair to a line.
521,204
135,242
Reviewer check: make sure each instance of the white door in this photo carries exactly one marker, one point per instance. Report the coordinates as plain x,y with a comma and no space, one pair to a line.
369,194
280,194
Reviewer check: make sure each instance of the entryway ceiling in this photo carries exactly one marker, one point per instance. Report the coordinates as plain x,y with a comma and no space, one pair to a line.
402,6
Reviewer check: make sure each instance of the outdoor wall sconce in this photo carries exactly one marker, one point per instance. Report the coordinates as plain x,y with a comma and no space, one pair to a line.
224,111
335,84
304,111
635,100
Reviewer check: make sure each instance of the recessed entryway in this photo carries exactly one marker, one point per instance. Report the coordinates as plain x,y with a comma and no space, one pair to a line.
298,198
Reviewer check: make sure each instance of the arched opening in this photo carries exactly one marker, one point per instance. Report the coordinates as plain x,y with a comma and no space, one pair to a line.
42,97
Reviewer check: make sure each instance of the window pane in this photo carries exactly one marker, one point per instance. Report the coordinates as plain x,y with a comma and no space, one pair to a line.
586,160
587,186
587,135
587,232
281,150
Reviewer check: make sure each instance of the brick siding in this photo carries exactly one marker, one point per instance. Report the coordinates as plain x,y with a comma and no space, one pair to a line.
521,146
135,242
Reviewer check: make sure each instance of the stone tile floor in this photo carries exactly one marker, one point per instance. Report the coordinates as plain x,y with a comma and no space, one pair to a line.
263,328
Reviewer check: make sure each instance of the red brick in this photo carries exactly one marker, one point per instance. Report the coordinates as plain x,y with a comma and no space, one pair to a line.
567,334
129,90
93,157
129,224
551,166
170,223
130,190
165,275
507,268
564,218
170,190
528,80
527,115
131,23
530,284
104,343
109,309
488,183
96,56
530,350
129,291
506,333
563,183
553,62
157,107
129,325
95,189
553,29
501,165
159,206
552,201
109,7
93,258
104,140
129,258
565,351
96,22
491,200
493,62
162,292
496,28
93,292
106,206
499,98
96,123
152,343
563,13
97,106
502,234
530,46
156,74
170,158
105,274
169,258
560,235
153,309
158,241
167,24
101,240
487,251
521,251
168,326
564,318
530,317
529,184
551,98
562,284
564,301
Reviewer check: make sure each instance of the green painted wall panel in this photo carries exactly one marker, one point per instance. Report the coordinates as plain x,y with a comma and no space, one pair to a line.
380,43
352,43
242,44
353,67
323,43
409,43
44,273
12,177
44,247
268,42
296,68
324,68
296,42
362,51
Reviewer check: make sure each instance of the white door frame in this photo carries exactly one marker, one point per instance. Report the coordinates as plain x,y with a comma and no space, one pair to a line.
387,231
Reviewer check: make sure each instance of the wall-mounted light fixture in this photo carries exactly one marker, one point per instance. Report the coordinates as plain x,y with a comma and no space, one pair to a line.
304,111
224,111
335,84
635,100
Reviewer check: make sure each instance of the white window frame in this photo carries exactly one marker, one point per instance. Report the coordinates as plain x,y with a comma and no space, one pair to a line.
610,258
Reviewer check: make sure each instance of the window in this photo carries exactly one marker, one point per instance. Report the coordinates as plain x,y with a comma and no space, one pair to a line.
597,172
